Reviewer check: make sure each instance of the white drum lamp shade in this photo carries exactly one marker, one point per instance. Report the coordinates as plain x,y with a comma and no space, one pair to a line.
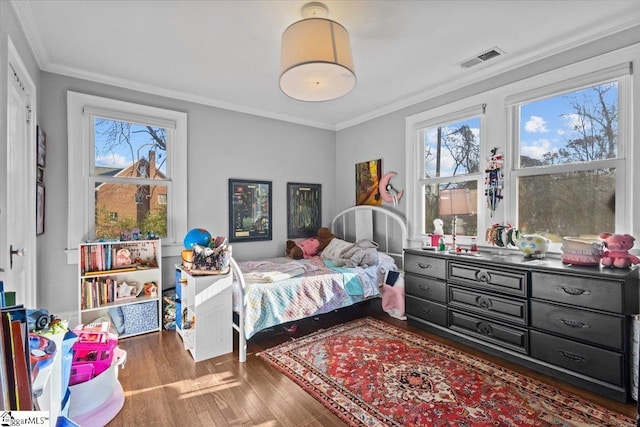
316,62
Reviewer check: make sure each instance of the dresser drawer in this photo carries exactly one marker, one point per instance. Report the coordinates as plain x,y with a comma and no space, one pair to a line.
426,266
594,362
598,328
511,281
507,309
425,288
426,310
589,292
491,331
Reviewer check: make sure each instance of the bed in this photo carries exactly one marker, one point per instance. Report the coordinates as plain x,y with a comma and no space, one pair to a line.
274,291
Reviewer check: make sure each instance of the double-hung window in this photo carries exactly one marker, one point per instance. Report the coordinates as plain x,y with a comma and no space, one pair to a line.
445,157
127,171
566,171
569,156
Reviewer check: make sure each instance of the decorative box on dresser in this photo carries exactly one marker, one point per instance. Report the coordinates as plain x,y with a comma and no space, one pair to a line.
569,322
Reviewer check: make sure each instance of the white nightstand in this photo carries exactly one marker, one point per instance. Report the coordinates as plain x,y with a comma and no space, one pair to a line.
206,303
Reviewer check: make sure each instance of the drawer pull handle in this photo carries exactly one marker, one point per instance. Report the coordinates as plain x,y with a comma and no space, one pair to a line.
423,266
425,310
574,323
483,302
574,291
483,276
572,356
424,288
484,328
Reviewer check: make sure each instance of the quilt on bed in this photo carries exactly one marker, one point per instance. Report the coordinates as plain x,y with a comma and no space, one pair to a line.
320,289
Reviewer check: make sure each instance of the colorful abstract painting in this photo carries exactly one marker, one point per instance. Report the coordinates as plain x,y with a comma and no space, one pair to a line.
368,175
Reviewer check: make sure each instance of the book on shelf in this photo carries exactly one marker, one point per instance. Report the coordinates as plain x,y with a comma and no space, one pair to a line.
16,360
99,291
95,258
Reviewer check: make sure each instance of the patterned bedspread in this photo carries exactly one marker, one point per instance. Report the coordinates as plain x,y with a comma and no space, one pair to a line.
320,289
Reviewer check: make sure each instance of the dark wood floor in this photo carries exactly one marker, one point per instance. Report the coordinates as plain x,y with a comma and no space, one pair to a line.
164,387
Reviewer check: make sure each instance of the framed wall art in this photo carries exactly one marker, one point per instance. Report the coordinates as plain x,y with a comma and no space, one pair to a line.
368,176
304,210
249,210
39,209
41,147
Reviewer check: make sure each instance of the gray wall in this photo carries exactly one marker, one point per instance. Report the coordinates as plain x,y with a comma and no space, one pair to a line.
384,137
222,144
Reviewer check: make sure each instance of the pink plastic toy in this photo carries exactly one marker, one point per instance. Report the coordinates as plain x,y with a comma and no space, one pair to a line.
617,250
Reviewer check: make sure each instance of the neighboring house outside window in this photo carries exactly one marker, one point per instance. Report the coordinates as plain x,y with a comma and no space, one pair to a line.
125,160
566,145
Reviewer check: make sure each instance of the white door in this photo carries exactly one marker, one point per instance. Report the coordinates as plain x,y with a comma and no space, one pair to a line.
17,207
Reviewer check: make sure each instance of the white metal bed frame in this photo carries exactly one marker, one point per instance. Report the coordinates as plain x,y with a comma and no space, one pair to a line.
352,224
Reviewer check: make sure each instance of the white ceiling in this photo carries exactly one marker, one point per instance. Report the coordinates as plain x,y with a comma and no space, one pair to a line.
227,53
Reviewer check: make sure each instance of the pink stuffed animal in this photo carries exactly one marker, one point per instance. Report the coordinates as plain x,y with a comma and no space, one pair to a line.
309,247
617,250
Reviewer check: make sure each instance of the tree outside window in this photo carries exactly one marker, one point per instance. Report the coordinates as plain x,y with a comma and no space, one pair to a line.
129,178
452,150
565,186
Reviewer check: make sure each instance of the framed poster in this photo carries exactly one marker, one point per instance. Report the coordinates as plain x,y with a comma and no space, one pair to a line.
304,210
39,209
41,148
368,176
249,210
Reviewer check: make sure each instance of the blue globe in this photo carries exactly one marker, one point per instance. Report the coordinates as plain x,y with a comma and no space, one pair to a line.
196,236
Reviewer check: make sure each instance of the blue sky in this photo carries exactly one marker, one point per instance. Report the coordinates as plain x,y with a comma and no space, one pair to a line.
446,161
121,157
547,124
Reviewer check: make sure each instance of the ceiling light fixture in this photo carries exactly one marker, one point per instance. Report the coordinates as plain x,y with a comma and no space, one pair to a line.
316,62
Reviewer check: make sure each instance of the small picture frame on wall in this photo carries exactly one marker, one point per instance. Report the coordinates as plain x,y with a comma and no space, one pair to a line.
368,175
40,202
41,151
249,210
304,210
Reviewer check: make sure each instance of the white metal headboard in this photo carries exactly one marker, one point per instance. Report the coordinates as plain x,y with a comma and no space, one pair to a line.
385,227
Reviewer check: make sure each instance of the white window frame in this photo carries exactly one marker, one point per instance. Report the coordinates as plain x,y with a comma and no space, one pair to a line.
619,73
81,110
415,127
499,127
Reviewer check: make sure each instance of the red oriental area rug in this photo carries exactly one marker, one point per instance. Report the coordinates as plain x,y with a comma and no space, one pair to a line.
371,373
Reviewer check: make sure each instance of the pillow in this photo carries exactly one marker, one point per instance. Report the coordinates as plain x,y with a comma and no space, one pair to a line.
335,248
117,318
385,260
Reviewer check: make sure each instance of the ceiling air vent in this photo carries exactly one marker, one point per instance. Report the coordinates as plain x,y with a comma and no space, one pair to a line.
479,59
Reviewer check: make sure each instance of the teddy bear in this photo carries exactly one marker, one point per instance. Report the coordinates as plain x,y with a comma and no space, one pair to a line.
309,247
617,250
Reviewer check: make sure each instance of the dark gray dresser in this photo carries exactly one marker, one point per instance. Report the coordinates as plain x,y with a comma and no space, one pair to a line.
570,322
